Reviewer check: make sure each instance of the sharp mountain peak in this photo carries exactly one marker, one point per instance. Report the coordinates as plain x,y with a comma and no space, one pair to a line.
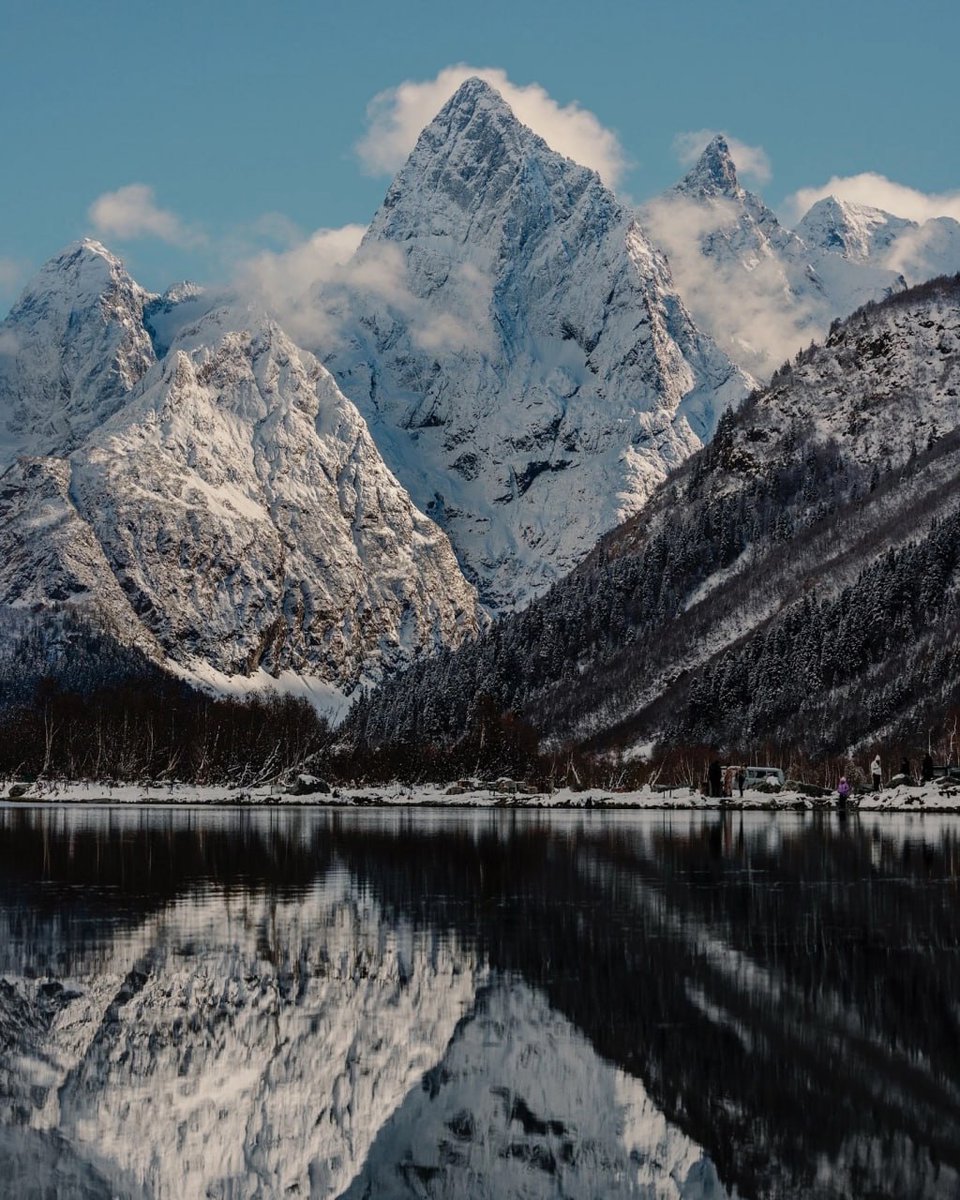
714,173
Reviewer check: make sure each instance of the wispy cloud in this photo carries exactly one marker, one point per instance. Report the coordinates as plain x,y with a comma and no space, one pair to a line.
289,282
749,160
397,116
933,248
751,313
318,288
12,274
877,191
132,212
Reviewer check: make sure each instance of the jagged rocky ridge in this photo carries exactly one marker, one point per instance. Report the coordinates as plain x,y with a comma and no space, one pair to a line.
762,290
71,349
223,509
539,374
797,580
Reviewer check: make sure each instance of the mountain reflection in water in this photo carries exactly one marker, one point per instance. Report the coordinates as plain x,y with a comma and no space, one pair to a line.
477,1004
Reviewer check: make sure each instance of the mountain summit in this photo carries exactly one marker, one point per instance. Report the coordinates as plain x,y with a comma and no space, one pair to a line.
713,174
223,508
762,290
856,231
72,347
534,373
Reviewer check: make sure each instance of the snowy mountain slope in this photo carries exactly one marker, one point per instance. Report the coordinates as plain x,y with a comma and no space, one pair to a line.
856,232
520,1105
253,1053
50,555
798,578
761,290
71,349
861,444
536,374
232,516
183,304
859,233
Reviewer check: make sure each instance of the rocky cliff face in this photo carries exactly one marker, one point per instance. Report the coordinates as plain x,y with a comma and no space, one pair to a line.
225,508
539,374
71,349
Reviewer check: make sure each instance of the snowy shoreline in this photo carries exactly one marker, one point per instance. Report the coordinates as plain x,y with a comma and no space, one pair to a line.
931,798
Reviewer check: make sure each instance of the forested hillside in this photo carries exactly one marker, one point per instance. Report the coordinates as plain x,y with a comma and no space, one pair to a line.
796,582
75,702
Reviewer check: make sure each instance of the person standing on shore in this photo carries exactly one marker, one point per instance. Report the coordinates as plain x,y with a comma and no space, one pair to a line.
876,773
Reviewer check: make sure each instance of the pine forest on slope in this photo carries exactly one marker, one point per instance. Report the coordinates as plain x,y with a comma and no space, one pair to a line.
797,581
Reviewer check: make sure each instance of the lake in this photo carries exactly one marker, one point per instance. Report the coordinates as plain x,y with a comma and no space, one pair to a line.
491,1004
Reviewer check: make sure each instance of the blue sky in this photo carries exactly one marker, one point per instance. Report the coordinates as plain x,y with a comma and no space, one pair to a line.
243,118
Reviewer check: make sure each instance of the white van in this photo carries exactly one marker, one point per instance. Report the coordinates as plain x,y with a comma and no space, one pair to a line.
755,775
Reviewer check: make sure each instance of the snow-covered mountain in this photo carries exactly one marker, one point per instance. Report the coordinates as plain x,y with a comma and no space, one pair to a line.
71,349
798,581
225,508
854,231
760,289
536,374
861,234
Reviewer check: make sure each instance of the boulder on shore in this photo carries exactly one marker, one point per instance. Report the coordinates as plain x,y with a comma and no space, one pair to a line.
309,785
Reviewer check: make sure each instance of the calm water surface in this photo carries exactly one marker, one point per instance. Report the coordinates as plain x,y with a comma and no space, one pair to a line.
313,1003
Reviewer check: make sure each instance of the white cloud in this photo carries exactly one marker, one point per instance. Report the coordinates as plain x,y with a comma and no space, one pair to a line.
751,312
317,288
749,160
877,191
8,342
397,116
289,282
933,248
132,212
465,324
12,275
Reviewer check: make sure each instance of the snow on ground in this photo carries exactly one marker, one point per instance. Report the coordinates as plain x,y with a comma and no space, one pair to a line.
939,796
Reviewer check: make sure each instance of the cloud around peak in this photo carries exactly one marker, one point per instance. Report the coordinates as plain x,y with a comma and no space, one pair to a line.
749,160
396,117
877,191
